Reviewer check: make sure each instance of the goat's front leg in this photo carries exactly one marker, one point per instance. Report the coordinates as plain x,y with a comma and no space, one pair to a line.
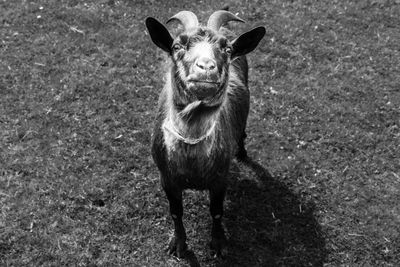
177,246
218,241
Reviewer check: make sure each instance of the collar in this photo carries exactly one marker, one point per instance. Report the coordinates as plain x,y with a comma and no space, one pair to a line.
170,127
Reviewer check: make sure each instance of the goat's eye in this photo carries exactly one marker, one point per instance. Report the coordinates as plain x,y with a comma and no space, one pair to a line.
177,47
228,50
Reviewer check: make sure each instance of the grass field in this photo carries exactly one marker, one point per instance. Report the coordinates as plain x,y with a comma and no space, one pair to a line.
79,82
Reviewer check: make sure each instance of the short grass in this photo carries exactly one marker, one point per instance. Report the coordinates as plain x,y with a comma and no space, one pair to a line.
78,87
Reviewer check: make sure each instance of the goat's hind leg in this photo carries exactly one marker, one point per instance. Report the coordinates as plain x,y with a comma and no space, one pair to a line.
177,246
218,241
241,152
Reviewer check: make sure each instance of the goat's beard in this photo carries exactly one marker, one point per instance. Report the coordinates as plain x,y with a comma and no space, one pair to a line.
190,108
197,98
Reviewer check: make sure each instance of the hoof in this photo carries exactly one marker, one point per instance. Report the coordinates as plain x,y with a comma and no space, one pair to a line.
219,247
177,247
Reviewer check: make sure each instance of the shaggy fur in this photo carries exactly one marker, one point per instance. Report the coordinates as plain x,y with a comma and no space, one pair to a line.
201,125
199,166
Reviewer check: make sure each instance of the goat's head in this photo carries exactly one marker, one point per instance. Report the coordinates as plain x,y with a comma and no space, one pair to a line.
201,55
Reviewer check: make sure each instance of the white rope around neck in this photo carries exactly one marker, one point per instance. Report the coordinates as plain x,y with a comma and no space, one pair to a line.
170,127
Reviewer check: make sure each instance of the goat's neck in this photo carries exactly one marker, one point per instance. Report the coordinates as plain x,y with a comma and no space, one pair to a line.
189,121
193,124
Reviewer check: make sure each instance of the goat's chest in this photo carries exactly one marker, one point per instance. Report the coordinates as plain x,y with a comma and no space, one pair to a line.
200,165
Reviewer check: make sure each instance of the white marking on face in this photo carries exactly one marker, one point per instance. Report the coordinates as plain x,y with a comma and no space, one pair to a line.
201,49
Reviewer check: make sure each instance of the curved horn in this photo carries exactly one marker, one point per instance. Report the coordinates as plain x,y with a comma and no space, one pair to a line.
220,17
187,18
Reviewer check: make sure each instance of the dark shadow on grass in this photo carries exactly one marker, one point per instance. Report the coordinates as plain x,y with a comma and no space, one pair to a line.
191,259
268,224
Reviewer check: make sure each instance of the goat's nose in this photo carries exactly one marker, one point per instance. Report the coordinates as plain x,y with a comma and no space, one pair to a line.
205,64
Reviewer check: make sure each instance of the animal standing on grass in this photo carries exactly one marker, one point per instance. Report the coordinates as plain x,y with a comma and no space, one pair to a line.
202,113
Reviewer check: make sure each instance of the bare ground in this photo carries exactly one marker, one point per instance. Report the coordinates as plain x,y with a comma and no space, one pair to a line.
79,82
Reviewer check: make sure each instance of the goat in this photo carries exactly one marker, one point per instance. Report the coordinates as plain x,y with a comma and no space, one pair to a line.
202,113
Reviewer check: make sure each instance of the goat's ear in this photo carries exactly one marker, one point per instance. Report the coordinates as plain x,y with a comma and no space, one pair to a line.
247,42
159,34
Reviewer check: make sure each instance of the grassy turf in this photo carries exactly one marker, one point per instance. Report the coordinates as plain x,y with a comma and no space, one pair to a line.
78,85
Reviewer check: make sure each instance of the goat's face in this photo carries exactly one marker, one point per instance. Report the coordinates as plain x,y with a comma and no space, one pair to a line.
201,55
201,60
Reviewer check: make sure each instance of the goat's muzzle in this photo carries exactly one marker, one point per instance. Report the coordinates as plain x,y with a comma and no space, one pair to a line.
204,81
203,89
